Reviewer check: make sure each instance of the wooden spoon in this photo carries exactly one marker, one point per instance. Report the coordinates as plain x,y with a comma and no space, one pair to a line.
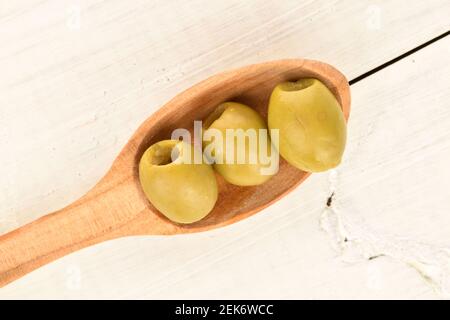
116,206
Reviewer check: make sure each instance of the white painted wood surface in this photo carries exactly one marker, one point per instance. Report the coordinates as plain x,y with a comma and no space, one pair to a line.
78,77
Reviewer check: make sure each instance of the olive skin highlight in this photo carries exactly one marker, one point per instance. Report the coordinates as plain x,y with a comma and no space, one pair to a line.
181,190
312,127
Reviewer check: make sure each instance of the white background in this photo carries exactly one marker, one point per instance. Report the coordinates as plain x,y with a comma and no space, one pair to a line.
78,77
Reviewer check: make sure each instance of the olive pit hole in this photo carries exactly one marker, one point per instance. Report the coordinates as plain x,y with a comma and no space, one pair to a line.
164,155
297,85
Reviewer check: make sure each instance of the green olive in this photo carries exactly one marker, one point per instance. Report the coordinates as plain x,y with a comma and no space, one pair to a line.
312,127
182,190
244,166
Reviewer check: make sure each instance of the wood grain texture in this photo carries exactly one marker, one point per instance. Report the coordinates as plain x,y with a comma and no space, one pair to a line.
116,206
72,97
78,78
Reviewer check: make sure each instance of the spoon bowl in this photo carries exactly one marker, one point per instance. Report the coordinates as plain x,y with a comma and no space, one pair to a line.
117,207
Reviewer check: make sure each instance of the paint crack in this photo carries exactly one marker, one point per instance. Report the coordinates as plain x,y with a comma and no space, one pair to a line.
356,242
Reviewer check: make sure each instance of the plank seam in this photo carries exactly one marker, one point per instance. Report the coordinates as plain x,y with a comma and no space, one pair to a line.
398,58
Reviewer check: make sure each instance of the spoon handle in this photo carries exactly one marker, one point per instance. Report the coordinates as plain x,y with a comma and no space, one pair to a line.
46,239
96,217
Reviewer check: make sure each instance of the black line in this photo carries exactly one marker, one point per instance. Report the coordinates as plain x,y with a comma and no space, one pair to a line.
404,55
